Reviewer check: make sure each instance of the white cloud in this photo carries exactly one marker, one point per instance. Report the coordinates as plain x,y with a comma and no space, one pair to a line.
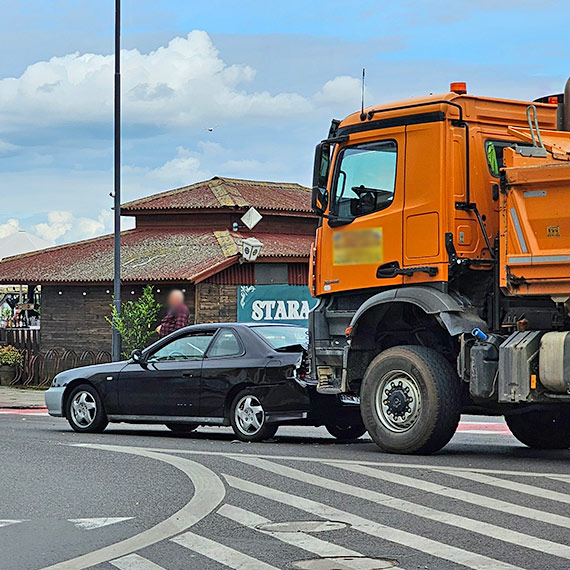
177,171
10,227
181,84
63,226
340,91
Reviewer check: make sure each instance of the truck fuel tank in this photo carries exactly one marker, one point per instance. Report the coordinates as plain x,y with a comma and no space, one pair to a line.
554,361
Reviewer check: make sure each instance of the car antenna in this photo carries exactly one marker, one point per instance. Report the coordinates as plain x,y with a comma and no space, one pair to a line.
362,114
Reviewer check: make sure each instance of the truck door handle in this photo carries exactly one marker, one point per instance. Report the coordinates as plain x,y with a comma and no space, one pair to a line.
393,269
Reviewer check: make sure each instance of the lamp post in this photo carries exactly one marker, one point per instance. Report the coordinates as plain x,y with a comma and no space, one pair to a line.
117,182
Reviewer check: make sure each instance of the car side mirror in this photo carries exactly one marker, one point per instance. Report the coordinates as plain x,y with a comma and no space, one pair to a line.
138,356
320,196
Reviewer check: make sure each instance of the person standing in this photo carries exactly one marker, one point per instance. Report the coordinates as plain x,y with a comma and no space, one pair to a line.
178,315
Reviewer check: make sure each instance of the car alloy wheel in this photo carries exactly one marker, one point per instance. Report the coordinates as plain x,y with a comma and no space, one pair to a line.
249,415
83,409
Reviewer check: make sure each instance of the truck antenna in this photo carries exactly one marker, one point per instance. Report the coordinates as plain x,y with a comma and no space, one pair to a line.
362,114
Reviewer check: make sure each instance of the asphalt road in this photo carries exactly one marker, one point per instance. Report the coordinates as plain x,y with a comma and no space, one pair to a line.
146,499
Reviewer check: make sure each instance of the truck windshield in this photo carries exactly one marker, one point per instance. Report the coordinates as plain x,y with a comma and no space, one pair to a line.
365,179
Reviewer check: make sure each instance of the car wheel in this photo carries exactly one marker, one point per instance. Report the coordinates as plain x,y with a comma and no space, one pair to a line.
346,431
248,418
542,429
181,428
85,411
410,400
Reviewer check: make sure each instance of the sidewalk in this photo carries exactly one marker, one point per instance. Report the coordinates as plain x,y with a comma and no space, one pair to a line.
20,398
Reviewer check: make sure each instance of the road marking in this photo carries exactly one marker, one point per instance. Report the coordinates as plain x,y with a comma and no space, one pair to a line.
209,492
301,540
90,524
7,522
486,428
220,553
459,494
479,527
513,485
375,529
24,412
135,562
313,459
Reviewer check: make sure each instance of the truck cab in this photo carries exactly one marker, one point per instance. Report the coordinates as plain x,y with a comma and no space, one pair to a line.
438,218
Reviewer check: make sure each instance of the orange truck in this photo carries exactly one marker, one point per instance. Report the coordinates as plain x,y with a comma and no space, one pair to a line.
442,267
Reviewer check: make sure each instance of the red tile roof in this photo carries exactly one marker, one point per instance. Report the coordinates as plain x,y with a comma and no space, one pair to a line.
227,193
155,255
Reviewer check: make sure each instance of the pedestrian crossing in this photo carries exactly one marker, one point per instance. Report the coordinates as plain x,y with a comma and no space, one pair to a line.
466,521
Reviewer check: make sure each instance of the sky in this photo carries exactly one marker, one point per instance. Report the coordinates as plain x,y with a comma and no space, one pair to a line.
224,88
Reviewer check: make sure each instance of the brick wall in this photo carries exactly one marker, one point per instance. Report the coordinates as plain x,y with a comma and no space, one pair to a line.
216,303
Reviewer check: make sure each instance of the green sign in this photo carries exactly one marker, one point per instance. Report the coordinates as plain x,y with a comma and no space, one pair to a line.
274,304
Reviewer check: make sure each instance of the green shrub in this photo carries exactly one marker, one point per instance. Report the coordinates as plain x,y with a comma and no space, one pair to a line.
11,356
137,321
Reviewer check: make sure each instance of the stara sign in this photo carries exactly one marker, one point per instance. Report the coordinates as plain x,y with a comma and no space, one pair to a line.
275,303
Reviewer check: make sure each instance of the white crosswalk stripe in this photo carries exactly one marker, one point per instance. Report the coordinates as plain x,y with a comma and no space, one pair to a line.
221,553
301,540
480,527
512,485
375,529
135,562
458,494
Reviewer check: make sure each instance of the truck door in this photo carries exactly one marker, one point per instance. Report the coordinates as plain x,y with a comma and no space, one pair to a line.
364,230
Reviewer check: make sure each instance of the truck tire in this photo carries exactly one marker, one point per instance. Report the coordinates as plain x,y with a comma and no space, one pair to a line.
542,429
344,431
410,400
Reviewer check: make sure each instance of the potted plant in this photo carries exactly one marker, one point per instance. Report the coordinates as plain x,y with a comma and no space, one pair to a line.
10,359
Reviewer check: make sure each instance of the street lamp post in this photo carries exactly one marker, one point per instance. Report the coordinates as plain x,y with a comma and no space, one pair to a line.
117,183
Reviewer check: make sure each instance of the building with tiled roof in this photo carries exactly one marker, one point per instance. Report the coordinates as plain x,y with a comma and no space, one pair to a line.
190,238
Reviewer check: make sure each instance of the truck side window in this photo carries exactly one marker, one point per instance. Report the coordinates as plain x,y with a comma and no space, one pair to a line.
494,152
365,179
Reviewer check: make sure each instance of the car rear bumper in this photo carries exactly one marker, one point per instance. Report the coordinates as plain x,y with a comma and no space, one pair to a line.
54,401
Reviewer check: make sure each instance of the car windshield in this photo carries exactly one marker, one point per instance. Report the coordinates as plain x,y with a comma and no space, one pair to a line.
280,337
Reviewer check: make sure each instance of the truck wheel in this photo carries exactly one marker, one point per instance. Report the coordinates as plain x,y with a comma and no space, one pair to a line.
542,429
410,400
346,431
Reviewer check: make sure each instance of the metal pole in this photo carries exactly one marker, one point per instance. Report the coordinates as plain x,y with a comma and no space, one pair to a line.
117,186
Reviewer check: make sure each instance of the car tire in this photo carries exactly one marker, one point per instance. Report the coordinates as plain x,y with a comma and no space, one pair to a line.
410,400
182,428
542,429
248,419
84,410
346,431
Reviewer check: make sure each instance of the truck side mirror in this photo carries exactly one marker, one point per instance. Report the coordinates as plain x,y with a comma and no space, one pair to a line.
320,196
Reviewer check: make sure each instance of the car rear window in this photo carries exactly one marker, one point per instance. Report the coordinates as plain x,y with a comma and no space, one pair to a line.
279,337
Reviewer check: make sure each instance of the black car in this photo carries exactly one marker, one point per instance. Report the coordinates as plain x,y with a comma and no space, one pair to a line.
249,376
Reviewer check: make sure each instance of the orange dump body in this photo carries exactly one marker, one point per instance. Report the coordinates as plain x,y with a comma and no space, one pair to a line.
535,219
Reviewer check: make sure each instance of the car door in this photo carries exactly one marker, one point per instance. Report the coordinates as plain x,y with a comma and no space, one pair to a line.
227,364
167,383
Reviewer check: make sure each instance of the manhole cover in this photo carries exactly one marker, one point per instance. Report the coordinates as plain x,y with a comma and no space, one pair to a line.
346,563
301,526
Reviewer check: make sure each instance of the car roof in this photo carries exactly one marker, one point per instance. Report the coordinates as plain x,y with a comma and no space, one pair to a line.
206,326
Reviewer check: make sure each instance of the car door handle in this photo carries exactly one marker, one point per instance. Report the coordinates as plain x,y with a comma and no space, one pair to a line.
188,374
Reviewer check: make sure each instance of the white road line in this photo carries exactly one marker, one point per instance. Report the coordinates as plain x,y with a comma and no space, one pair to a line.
135,562
415,509
208,494
459,494
301,540
375,529
7,522
90,524
313,459
221,553
512,486
564,479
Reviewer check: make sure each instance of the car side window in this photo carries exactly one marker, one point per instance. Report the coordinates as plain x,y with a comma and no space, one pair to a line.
225,344
188,347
